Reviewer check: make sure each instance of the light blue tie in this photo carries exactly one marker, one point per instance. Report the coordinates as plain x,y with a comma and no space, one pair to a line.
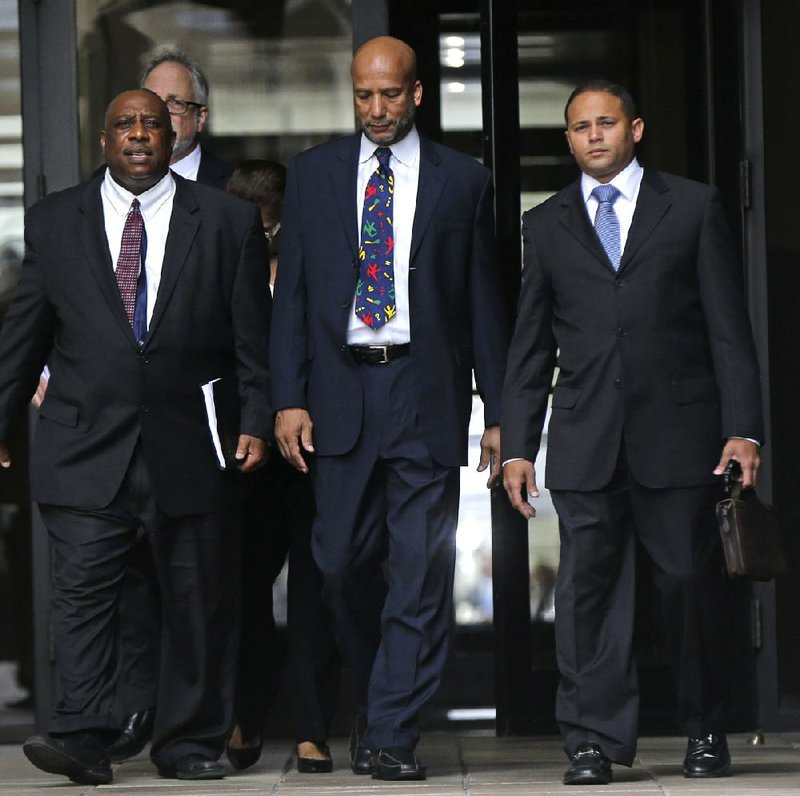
606,223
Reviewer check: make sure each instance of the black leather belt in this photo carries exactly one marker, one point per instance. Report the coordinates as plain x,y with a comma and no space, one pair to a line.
379,354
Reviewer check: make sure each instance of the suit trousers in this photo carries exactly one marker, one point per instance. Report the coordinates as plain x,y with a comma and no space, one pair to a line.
597,698
197,561
384,539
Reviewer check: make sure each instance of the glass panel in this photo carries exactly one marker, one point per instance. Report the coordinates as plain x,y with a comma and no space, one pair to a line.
16,641
279,80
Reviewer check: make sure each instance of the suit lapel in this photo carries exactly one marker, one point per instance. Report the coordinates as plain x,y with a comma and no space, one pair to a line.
651,206
576,220
183,226
344,178
431,184
92,234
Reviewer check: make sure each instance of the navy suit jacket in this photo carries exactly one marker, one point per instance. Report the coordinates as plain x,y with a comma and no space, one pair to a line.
213,171
105,393
659,355
458,322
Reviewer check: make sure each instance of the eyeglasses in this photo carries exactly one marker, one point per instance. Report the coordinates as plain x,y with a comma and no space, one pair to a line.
178,107
272,233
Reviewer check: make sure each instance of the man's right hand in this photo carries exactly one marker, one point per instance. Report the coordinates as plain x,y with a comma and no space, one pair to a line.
5,460
293,435
519,479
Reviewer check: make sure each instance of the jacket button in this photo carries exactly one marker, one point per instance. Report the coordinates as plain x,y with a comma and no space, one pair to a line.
346,304
343,348
618,382
621,331
619,282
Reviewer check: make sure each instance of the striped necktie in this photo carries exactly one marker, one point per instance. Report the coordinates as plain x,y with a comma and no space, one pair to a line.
606,223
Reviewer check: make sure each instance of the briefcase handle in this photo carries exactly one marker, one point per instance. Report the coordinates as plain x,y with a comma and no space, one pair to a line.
730,479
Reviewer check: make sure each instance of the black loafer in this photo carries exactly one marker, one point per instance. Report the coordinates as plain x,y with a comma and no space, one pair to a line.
707,757
193,767
137,730
588,766
360,755
242,757
394,764
79,756
315,765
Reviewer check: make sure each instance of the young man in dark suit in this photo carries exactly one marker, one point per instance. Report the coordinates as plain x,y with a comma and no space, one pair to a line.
137,288
387,299
657,391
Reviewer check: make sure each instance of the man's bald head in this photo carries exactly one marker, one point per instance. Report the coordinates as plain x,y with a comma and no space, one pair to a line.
385,89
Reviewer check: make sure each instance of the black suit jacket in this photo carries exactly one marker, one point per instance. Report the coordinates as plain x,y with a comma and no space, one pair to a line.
210,320
458,321
213,171
659,355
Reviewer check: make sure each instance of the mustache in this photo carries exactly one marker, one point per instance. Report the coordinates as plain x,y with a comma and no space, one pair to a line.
137,150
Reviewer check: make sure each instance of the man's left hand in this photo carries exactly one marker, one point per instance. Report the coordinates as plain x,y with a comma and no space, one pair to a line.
746,453
251,453
490,454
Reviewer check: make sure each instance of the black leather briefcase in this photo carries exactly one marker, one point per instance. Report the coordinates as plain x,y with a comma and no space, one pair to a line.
750,535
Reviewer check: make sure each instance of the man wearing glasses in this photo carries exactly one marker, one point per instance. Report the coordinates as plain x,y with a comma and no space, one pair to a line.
181,84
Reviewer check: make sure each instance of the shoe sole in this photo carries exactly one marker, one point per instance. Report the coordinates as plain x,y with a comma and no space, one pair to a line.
171,773
588,780
52,761
411,776
307,765
706,775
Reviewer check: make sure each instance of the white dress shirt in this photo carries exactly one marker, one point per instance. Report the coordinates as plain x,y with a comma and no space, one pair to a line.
627,182
404,163
189,165
156,209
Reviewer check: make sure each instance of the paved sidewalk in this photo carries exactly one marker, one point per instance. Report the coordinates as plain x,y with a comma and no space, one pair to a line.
459,764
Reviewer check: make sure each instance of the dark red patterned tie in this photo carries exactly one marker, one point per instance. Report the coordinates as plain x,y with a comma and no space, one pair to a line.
130,256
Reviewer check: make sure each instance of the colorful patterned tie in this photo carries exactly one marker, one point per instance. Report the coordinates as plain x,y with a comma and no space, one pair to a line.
606,223
375,301
130,258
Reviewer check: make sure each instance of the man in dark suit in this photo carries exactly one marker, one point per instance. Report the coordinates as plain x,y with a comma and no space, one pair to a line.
657,391
180,82
138,287
387,298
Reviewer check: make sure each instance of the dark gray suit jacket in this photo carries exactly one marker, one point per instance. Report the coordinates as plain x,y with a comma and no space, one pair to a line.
659,355
210,320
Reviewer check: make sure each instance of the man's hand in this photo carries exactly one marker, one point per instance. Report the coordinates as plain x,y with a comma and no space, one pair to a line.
251,453
5,460
744,452
490,454
519,479
293,430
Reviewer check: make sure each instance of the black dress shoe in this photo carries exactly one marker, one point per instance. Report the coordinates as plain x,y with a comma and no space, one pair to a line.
588,766
394,763
78,755
137,730
360,755
242,757
193,767
315,765
707,757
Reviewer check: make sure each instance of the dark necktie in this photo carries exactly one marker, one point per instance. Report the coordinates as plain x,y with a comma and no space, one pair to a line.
606,223
130,259
375,301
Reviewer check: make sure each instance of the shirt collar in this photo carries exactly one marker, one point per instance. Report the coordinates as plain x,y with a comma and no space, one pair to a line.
189,165
405,151
150,201
627,181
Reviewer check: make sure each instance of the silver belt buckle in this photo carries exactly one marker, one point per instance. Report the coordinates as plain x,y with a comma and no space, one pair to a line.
384,349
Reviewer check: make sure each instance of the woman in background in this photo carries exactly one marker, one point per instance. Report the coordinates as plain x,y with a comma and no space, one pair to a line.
278,510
